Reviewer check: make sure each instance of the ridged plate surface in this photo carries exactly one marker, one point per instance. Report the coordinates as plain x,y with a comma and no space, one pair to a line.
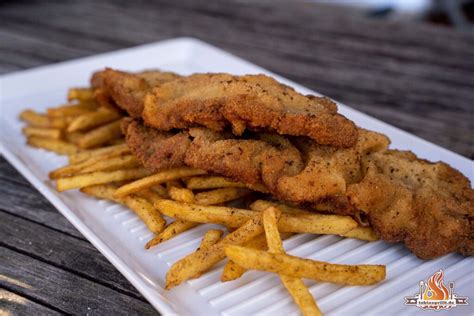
120,235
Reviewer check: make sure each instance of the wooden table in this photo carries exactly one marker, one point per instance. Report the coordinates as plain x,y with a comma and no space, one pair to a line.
415,76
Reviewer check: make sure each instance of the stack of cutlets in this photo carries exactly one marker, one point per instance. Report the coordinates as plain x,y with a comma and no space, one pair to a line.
257,131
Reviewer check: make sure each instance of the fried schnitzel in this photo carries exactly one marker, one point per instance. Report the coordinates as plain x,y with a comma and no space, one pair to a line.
216,101
128,90
429,206
154,149
257,131
255,102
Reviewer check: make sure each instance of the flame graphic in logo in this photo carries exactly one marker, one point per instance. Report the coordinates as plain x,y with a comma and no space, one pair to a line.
435,288
434,295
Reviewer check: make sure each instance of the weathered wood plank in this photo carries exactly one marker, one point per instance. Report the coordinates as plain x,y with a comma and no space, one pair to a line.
61,250
128,29
385,69
20,198
154,17
13,304
66,291
60,17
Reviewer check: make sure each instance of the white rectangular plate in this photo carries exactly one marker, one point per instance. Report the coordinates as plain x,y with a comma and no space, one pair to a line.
120,235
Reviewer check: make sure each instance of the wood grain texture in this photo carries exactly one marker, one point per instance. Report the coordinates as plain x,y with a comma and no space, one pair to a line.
18,305
65,291
20,198
63,251
415,76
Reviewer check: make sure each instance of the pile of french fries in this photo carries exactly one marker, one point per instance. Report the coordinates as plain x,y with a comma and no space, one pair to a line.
175,200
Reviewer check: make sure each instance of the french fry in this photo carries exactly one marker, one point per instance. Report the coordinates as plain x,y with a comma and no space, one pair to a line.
77,168
158,178
73,137
362,233
181,194
301,295
54,145
72,109
144,209
259,242
226,216
115,163
93,119
232,270
305,268
35,119
316,224
72,169
234,217
82,94
211,182
149,194
101,191
101,135
106,191
110,151
295,286
214,182
41,120
42,132
261,205
172,230
160,190
220,196
270,217
100,177
211,237
203,259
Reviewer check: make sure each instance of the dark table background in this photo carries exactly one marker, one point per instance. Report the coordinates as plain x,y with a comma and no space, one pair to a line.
416,76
